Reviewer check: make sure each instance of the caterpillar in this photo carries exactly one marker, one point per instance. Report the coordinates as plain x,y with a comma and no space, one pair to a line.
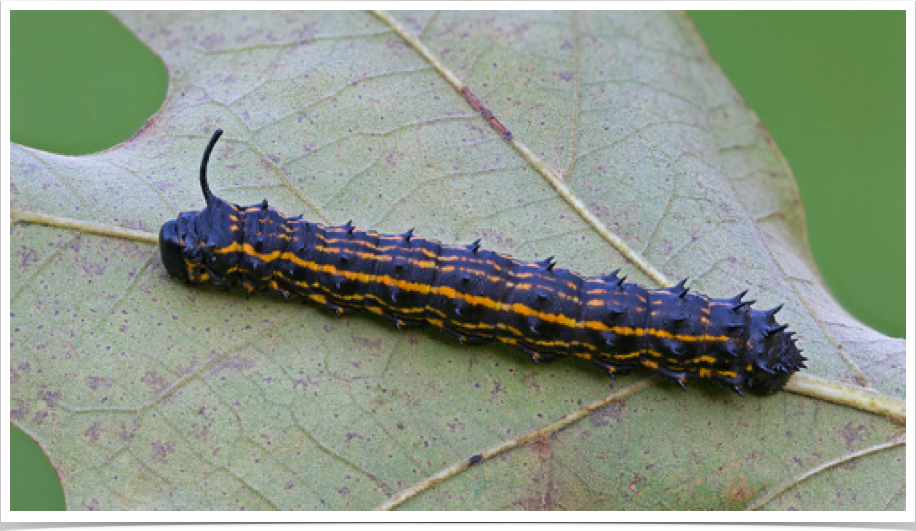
478,295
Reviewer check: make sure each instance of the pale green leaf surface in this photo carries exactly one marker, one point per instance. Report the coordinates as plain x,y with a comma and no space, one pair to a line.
149,395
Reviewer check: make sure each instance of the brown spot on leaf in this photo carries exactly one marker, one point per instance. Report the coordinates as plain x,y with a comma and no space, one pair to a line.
739,494
93,432
39,416
52,397
155,380
544,502
497,389
26,258
606,415
304,383
542,447
93,505
201,431
160,451
531,379
496,239
20,411
372,343
94,382
237,362
127,433
394,156
637,483
851,434
89,265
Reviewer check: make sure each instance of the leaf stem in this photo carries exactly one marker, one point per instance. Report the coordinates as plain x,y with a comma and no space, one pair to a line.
856,397
896,441
84,226
803,384
546,429
800,383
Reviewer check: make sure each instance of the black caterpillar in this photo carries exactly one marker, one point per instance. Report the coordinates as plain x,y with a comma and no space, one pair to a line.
478,295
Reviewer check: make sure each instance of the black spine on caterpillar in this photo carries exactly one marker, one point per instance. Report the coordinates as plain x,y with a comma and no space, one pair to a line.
479,295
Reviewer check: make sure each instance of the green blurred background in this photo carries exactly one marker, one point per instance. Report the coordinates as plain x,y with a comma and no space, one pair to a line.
829,86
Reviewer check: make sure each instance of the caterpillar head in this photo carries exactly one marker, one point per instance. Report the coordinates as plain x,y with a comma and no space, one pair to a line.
170,249
180,246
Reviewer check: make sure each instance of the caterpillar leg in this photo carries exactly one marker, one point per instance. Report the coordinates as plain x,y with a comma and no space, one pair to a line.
403,323
730,387
536,356
613,370
465,339
340,310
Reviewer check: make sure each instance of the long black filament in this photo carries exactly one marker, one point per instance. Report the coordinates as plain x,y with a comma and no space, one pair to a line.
204,187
